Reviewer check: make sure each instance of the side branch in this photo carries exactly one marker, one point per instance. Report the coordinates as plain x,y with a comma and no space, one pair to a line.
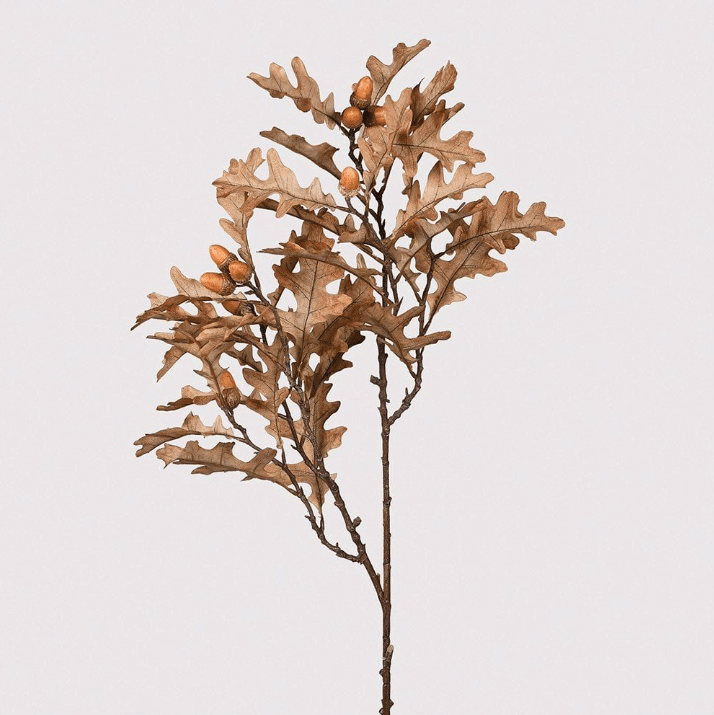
409,394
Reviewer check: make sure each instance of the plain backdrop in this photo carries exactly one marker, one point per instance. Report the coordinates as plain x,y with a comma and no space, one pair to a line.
552,484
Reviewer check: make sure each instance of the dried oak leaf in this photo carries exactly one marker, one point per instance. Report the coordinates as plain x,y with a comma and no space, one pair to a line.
233,203
320,410
165,308
192,425
294,250
217,459
320,154
302,475
281,180
364,314
435,191
306,94
375,143
267,395
425,138
423,102
189,396
313,303
221,459
492,226
383,74
421,233
340,338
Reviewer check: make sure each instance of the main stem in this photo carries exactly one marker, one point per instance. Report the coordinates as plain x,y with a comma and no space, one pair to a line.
387,648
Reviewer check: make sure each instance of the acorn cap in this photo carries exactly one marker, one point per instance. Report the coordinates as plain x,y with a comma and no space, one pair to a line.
362,95
239,271
349,182
352,117
375,116
218,283
232,398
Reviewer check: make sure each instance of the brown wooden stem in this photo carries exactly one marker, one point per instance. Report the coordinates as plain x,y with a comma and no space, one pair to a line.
387,647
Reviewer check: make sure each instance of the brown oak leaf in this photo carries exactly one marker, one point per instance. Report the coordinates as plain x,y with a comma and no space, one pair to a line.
314,303
306,94
435,191
425,101
192,425
320,154
492,226
425,138
376,143
382,74
281,180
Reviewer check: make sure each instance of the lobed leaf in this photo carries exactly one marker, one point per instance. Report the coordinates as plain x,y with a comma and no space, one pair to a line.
383,74
321,155
217,459
376,143
435,191
306,94
424,102
314,303
425,138
241,179
492,226
192,425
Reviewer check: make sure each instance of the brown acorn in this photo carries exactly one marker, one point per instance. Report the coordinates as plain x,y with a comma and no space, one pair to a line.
218,283
230,390
349,182
375,116
352,117
362,95
221,256
233,306
226,381
239,271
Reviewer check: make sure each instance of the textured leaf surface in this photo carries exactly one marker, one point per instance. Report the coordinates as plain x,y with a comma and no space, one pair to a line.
314,303
425,101
425,138
306,94
192,425
382,74
376,143
493,226
320,154
437,189
241,180
217,459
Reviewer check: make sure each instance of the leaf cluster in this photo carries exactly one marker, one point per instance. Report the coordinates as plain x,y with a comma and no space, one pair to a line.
348,270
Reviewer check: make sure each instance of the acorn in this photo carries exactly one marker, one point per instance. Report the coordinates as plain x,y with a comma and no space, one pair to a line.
218,283
239,271
352,117
221,256
375,116
233,306
362,95
231,394
349,182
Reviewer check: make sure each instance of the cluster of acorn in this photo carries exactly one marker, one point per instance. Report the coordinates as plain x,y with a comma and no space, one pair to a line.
232,272
360,110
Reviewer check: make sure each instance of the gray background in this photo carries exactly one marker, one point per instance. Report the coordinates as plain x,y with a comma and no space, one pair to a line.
553,492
